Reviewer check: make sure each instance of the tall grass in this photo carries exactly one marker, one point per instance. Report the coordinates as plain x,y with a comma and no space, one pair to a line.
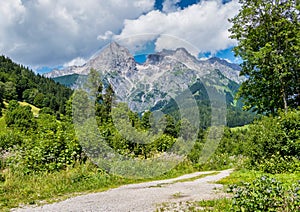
17,189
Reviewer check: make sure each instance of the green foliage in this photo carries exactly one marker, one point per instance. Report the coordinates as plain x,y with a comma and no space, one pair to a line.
20,83
266,194
46,110
103,111
237,117
94,84
19,117
10,91
145,122
163,143
279,164
269,44
53,147
229,153
9,139
169,126
1,98
68,80
275,141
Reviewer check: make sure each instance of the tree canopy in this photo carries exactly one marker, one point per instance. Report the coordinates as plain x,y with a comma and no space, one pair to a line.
20,83
268,35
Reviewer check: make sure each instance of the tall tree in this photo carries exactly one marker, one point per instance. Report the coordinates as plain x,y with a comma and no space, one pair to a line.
269,44
94,84
1,97
108,98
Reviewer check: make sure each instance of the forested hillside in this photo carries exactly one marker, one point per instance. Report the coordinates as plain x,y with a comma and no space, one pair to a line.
19,83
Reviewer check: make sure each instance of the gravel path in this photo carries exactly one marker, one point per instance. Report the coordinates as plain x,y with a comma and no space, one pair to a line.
143,196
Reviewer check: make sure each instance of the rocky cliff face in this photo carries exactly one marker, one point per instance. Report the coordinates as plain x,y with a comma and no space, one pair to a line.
163,76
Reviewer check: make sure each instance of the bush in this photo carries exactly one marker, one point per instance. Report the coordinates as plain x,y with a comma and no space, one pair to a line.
19,117
52,148
275,140
279,164
9,139
266,194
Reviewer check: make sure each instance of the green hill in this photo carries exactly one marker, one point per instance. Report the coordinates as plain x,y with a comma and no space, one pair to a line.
19,83
68,80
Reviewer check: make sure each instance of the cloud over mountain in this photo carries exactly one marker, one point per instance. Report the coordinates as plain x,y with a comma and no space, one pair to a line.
57,32
204,25
49,32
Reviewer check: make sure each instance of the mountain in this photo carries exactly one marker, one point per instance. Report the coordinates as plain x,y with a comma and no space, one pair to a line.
113,57
162,77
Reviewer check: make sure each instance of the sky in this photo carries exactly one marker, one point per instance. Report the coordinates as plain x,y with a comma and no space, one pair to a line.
46,34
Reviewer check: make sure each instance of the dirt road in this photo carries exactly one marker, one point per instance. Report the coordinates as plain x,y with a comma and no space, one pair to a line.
143,196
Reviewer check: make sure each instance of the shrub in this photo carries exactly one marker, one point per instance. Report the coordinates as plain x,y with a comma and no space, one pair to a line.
19,117
266,194
279,164
52,148
275,140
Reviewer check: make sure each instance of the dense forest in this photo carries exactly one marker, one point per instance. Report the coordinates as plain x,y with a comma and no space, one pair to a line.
20,83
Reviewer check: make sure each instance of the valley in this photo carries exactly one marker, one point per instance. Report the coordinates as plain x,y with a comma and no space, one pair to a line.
150,105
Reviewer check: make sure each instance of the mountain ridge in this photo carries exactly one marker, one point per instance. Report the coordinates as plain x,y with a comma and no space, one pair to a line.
113,49
160,78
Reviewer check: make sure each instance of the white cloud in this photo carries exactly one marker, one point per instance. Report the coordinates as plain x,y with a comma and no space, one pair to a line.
50,32
172,43
204,25
78,61
107,36
9,17
170,5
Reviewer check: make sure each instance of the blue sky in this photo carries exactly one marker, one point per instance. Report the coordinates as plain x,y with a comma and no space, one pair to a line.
54,34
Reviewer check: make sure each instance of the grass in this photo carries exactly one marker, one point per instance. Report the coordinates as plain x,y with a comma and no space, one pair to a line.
224,204
244,175
219,205
2,123
35,110
40,188
245,127
196,178
17,190
184,180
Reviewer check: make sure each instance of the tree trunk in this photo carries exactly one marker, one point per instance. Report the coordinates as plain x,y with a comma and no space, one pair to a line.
285,105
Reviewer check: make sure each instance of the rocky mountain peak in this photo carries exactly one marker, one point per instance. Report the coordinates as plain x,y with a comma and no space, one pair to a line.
114,59
154,59
179,55
182,51
162,76
224,62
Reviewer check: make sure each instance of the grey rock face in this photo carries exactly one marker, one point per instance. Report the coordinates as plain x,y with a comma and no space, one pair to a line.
164,74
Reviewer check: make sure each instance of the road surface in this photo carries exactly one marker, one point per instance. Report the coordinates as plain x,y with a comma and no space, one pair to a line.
142,196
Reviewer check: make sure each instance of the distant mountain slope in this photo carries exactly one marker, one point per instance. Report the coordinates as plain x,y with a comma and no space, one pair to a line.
156,83
163,75
67,80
